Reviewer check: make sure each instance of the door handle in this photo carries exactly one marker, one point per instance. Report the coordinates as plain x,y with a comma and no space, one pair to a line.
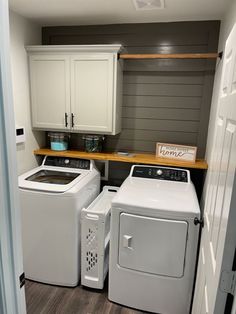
127,239
72,120
66,120
200,221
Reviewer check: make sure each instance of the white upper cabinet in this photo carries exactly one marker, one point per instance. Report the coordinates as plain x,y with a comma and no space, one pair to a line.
76,88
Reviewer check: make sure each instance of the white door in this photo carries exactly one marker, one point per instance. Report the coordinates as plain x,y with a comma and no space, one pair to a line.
50,91
215,248
92,92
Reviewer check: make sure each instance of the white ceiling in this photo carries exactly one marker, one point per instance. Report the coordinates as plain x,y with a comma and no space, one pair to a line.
88,12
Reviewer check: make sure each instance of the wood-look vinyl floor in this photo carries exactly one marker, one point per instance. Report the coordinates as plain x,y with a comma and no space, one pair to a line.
47,299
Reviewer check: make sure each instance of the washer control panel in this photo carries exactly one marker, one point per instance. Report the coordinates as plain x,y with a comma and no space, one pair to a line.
161,173
67,162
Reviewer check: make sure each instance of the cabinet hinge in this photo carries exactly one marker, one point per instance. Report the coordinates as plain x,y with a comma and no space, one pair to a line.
228,282
22,280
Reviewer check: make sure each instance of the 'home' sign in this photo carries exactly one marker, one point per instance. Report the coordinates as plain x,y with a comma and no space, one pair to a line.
173,151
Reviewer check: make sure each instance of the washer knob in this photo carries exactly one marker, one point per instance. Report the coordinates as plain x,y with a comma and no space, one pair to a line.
67,161
159,172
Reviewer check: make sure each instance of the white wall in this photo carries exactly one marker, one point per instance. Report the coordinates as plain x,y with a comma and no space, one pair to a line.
23,32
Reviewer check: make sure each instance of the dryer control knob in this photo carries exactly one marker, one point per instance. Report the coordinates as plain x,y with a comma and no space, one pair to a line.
159,172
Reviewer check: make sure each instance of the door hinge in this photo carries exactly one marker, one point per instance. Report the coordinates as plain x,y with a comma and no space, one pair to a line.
228,282
22,280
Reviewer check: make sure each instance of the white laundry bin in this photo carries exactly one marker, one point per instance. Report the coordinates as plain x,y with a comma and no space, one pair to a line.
95,238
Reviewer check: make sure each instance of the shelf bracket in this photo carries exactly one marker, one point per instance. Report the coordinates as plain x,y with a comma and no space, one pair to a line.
220,55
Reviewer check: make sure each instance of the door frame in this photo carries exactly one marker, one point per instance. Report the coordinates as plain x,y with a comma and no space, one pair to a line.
12,296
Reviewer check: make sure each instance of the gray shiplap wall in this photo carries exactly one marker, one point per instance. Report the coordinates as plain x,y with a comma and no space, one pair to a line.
164,100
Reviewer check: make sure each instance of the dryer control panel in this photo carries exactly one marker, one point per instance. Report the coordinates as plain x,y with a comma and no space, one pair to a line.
161,173
67,162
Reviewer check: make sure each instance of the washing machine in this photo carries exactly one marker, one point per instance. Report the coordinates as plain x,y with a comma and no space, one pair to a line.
52,197
154,238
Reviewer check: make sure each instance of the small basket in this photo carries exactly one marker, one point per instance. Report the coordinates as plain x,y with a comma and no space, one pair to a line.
58,141
93,143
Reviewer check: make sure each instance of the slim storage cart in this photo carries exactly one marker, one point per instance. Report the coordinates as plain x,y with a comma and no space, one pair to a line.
95,239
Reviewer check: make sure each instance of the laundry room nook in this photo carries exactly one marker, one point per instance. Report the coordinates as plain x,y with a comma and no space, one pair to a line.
118,156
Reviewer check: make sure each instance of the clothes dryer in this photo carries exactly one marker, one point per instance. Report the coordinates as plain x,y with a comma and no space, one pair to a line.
154,239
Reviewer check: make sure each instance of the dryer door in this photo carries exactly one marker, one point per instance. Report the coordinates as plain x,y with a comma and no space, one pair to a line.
152,245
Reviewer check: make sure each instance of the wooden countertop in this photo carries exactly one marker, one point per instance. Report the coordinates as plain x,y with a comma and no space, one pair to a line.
133,158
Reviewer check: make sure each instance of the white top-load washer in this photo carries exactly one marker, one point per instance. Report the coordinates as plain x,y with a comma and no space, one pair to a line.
52,197
154,239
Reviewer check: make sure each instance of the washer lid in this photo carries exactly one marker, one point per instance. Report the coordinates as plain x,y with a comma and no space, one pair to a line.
51,179
175,198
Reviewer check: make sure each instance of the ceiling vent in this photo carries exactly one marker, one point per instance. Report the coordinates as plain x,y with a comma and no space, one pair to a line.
149,4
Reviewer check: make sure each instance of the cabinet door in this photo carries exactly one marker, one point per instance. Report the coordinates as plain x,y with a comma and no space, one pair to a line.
92,92
50,91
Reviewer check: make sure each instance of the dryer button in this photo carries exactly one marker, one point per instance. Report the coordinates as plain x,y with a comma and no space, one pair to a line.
159,172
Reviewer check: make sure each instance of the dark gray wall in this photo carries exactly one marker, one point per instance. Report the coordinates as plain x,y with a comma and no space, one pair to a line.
164,100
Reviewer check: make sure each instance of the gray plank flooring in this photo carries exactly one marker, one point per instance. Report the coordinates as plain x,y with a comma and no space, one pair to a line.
47,299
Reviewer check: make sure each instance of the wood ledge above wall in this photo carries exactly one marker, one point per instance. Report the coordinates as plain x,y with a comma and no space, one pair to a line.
214,55
133,158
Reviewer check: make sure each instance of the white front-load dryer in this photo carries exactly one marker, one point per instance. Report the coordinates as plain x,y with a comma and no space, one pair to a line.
154,238
52,197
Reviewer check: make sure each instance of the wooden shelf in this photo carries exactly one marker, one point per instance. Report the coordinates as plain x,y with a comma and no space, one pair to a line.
171,56
133,158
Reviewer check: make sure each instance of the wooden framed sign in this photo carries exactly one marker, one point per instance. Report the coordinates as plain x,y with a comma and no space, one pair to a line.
174,151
